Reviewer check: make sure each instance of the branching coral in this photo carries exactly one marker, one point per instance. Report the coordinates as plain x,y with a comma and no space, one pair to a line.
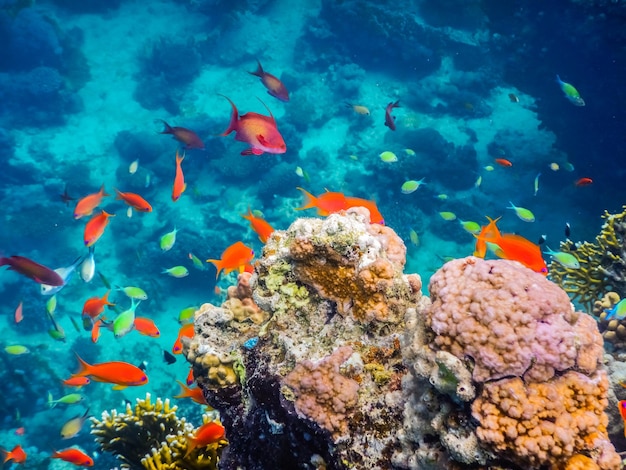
151,436
602,263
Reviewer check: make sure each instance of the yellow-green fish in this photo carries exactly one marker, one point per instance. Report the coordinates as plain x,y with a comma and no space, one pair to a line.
134,292
442,196
470,226
523,213
478,181
186,314
16,349
567,260
445,215
410,152
197,262
69,399
176,271
489,167
303,174
167,241
72,427
537,183
125,321
570,92
411,185
388,157
51,305
414,237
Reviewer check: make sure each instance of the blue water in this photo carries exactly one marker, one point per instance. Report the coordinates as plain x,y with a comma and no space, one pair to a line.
84,85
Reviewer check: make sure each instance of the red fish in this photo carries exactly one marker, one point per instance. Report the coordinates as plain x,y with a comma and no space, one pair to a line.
95,331
274,86
16,454
190,378
87,204
583,182
184,136
517,248
20,431
122,374
503,162
74,456
35,271
258,131
179,179
135,201
259,225
19,312
94,306
375,216
207,434
194,393
185,331
146,327
326,203
95,227
390,121
76,382
622,411
236,256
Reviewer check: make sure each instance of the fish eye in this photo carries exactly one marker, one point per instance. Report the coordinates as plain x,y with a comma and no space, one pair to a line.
544,270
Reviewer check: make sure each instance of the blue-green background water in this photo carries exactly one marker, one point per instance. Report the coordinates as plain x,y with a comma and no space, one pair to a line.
83,85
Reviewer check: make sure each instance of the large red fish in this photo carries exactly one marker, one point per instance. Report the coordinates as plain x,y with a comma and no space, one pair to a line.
35,271
274,86
95,227
184,136
179,179
258,131
122,374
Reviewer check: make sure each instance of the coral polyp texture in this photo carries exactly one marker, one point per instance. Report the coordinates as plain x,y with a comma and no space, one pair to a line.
340,362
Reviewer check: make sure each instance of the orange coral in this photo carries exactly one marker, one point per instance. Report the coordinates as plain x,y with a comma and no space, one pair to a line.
241,304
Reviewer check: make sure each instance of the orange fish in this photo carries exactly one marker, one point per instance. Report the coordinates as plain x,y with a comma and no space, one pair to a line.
184,136
179,179
194,393
274,86
517,248
95,227
258,131
17,454
76,381
73,456
326,203
259,225
390,121
146,327
87,204
503,162
20,431
190,378
375,216
486,231
185,331
236,256
135,201
622,411
207,434
583,182
95,331
120,373
94,306
19,313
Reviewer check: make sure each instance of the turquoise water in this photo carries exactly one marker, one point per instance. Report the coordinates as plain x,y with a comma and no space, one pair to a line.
85,86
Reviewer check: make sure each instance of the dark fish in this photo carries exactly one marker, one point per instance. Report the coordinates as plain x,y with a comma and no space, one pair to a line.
168,358
567,229
66,198
274,86
184,136
541,240
143,365
104,280
390,121
35,271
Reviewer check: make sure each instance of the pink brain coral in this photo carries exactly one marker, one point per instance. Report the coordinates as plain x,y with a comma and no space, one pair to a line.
510,320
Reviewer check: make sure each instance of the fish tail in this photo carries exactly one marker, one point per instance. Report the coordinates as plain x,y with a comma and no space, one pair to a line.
51,402
259,70
168,129
104,194
218,264
84,367
179,158
311,201
234,118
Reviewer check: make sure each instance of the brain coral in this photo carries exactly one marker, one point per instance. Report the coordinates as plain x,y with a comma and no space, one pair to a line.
510,321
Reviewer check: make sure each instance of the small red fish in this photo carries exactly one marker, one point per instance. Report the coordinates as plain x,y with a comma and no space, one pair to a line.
622,411
74,456
95,227
146,327
179,179
19,313
35,271
274,86
135,201
258,131
86,205
185,331
184,136
20,431
190,378
76,381
235,257
205,435
583,182
95,331
195,393
503,162
390,121
16,454
94,306
262,228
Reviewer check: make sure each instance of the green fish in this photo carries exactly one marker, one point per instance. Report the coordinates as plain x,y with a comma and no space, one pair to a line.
470,226
566,260
388,157
17,350
445,215
70,399
167,241
176,271
523,213
197,262
51,305
186,314
570,92
618,311
411,185
134,292
125,321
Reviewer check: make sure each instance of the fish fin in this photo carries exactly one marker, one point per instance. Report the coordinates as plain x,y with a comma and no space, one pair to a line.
118,387
266,107
311,201
84,367
259,70
168,129
234,118
252,151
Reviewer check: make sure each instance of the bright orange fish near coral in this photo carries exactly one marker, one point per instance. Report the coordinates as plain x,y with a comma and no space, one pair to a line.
135,201
16,454
274,86
326,203
487,231
195,393
258,131
262,228
236,257
207,434
122,374
184,136
146,327
622,411
86,205
73,456
179,186
185,331
375,216
93,308
95,227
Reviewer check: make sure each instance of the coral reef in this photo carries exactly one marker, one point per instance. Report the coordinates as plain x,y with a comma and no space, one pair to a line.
613,329
602,263
151,436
